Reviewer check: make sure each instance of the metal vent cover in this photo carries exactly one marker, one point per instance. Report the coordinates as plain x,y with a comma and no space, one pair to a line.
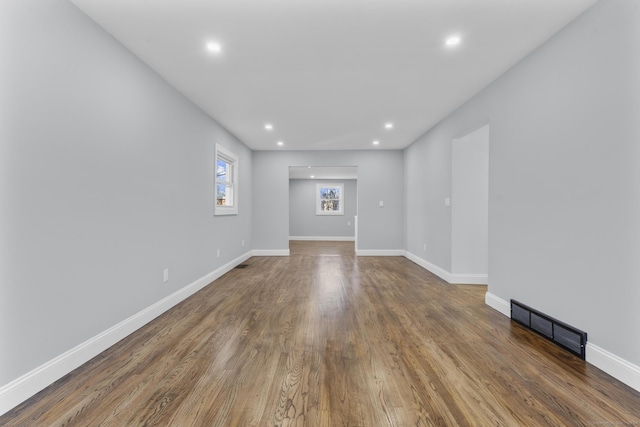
571,339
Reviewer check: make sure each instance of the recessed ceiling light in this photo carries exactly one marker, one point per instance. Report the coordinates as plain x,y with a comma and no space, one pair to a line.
268,126
313,176
376,142
214,47
280,143
453,41
388,126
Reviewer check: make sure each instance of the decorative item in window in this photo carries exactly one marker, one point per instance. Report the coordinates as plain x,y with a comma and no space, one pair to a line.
226,185
329,199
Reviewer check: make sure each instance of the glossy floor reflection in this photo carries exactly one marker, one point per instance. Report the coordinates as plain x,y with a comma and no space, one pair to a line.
324,338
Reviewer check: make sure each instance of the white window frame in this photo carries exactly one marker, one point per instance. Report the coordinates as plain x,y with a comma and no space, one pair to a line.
231,184
340,198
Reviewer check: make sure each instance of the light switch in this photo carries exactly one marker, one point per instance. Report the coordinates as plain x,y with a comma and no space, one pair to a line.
447,201
381,204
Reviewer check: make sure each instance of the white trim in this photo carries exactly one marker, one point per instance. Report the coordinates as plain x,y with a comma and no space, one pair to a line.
440,272
325,238
232,159
380,252
617,367
498,304
321,185
270,252
469,279
22,388
613,365
459,279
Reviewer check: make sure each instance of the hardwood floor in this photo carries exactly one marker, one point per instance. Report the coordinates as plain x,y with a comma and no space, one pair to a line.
332,340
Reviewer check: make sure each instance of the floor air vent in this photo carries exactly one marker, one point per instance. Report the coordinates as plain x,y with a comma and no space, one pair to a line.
567,337
242,265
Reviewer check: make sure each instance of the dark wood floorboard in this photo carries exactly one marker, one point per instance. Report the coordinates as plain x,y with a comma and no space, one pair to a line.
324,338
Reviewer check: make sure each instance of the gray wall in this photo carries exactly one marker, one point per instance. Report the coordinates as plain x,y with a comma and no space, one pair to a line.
106,180
470,203
564,196
379,178
303,221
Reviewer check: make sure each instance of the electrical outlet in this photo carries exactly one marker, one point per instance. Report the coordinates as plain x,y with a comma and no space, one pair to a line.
165,273
243,243
349,223
424,247
218,253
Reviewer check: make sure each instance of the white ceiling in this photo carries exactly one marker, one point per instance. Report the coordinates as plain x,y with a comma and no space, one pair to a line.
328,74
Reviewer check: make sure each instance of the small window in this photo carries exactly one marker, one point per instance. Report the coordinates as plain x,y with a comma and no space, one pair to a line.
329,199
226,182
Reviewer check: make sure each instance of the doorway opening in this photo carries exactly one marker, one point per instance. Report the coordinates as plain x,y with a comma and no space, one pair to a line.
470,207
323,203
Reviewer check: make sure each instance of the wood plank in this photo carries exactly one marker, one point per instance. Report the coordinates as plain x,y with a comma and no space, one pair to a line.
323,338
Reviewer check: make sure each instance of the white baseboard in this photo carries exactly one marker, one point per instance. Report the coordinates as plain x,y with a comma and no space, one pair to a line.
613,365
325,238
460,279
469,279
440,272
498,304
22,388
270,252
380,252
